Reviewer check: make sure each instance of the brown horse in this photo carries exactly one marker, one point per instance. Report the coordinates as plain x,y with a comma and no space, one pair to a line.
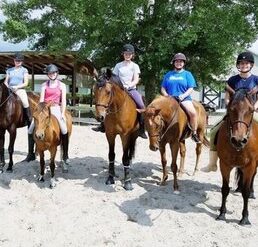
237,147
47,137
166,123
11,118
118,111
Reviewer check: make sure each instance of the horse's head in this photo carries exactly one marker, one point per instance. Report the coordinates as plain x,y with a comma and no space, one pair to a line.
154,125
240,115
41,117
103,91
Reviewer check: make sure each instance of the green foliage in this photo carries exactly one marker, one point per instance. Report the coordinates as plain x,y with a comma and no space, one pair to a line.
210,33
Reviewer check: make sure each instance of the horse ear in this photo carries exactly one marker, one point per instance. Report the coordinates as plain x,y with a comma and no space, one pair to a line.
109,73
230,90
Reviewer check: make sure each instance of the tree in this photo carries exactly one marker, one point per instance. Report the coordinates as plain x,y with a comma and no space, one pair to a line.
210,33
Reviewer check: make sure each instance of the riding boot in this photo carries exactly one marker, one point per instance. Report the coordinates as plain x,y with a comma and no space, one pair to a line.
65,144
31,155
142,128
212,166
28,116
195,137
100,128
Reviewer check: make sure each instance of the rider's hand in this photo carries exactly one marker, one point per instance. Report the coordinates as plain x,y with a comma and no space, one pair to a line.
13,88
180,97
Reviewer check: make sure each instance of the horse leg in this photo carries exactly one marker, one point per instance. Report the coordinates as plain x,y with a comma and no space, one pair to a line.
126,163
198,151
162,151
225,171
42,166
239,178
248,175
182,149
2,139
111,158
12,132
174,152
252,196
52,167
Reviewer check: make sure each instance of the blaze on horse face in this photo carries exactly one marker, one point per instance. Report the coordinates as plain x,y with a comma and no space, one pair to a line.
42,120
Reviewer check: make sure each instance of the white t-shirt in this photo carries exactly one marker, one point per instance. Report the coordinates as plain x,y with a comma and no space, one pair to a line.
126,72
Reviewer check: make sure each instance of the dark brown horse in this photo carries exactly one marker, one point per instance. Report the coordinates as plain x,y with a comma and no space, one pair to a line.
118,111
166,122
237,146
47,137
11,118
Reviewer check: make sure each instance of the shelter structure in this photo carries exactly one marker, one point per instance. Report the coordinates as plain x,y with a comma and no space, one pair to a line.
69,64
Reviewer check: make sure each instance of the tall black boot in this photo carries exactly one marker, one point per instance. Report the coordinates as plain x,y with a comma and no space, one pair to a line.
28,116
65,143
100,128
31,154
142,128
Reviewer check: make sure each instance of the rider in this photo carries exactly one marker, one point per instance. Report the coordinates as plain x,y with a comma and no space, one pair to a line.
17,80
54,91
128,72
244,79
180,83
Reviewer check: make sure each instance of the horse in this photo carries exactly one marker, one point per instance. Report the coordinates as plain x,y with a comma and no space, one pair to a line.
117,110
237,147
166,123
11,118
47,136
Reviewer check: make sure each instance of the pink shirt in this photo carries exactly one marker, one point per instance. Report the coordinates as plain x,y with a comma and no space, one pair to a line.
53,94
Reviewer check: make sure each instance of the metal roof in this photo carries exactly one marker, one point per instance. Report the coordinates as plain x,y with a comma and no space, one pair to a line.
36,62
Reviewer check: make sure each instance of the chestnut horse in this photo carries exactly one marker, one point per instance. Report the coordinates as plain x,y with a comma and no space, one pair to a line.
115,107
47,137
166,122
237,147
11,118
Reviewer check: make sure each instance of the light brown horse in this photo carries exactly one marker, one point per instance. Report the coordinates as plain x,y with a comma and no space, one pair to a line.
115,107
47,137
237,146
11,118
165,123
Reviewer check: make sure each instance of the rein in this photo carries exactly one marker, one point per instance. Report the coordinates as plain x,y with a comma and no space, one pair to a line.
9,96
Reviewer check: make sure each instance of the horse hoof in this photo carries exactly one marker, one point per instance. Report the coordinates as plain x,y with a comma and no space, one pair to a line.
110,180
30,157
41,178
244,221
9,170
238,190
221,217
64,167
128,185
252,196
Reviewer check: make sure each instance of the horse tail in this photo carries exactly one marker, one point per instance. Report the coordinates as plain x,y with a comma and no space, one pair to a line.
206,142
131,147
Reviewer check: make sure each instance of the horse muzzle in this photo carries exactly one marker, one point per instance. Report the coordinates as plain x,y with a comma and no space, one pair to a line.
238,143
40,135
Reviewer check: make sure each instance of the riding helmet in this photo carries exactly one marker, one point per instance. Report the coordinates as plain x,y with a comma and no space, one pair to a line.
128,48
245,56
178,56
51,68
18,56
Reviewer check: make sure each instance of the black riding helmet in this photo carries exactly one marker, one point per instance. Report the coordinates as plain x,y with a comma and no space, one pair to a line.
51,68
18,56
128,48
178,56
245,56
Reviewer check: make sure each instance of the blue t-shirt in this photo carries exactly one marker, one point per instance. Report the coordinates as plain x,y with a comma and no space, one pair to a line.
16,76
236,82
177,83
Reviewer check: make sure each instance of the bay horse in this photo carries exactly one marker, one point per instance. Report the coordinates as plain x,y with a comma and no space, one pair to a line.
47,136
166,122
11,118
237,147
117,110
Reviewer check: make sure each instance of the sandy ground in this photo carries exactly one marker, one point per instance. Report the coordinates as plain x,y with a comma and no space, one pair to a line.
82,211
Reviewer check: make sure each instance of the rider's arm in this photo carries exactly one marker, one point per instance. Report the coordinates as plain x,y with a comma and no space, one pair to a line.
42,93
6,80
25,81
63,99
186,93
164,92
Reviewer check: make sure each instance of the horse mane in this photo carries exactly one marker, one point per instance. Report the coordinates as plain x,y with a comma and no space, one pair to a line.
240,94
110,78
